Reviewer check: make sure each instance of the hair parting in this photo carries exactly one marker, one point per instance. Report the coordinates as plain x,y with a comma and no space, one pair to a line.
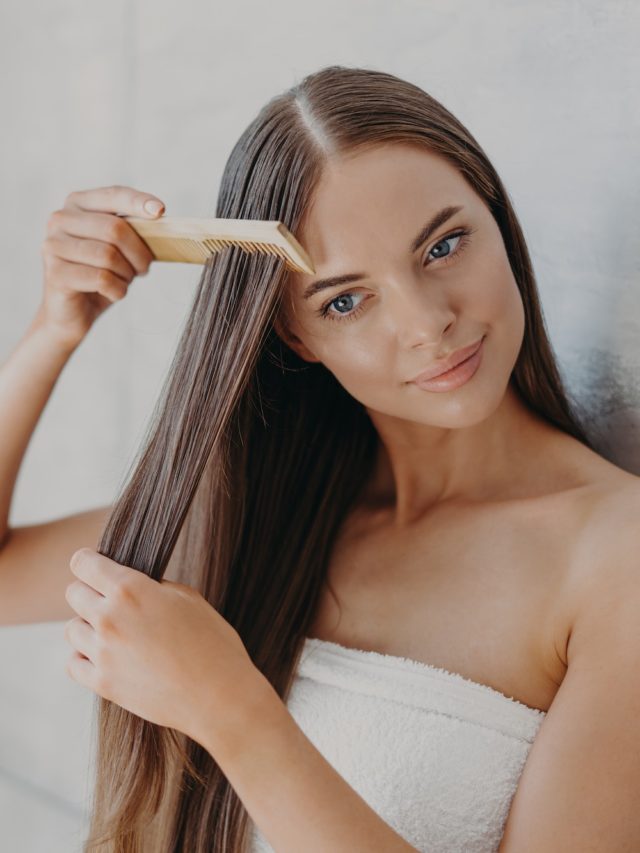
253,457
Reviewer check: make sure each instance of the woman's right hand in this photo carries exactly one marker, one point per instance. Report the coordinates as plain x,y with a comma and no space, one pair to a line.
90,256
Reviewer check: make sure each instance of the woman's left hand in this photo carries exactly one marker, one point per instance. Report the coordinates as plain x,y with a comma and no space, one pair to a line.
157,648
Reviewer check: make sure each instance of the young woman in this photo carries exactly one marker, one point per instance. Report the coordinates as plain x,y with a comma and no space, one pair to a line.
399,567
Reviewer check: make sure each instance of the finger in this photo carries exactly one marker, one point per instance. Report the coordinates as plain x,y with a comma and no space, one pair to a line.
88,279
106,227
84,600
81,636
126,201
94,253
81,670
98,571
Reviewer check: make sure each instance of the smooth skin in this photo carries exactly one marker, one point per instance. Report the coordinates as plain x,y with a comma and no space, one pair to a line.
146,645
453,469
487,542
51,571
90,258
469,481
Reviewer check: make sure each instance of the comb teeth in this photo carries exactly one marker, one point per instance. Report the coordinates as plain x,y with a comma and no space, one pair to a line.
219,244
189,250
247,245
195,239
196,247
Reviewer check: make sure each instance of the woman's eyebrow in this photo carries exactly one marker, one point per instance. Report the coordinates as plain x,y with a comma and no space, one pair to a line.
432,225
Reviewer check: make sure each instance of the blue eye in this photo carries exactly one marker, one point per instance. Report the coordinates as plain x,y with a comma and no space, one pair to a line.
444,242
348,296
463,234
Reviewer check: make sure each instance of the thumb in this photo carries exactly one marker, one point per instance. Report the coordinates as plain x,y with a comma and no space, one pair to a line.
153,206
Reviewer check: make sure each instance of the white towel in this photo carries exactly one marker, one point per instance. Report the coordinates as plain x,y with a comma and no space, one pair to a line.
436,755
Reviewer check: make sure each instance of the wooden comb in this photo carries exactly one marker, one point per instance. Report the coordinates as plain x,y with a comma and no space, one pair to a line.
193,240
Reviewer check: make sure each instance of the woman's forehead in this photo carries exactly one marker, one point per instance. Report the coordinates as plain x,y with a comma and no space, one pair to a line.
375,196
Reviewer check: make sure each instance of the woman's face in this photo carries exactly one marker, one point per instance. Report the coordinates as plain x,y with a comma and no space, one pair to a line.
409,306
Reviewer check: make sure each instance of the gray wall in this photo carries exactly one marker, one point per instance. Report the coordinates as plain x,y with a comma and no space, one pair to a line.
154,95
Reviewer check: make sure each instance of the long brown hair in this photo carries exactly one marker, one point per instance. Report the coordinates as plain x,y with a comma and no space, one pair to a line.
253,456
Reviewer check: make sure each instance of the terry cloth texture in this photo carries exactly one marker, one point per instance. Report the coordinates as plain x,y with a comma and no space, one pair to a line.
437,755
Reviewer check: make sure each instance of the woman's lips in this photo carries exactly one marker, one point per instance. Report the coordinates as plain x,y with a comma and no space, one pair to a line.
449,363
456,376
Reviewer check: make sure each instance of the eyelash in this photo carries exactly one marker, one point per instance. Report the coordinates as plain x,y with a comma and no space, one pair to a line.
461,232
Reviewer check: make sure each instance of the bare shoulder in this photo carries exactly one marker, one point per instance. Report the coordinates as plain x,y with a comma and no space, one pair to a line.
605,563
610,533
578,789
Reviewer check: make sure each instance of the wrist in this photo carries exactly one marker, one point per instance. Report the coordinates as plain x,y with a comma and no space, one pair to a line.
252,705
59,345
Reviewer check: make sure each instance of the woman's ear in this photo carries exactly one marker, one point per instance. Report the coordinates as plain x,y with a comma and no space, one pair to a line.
285,334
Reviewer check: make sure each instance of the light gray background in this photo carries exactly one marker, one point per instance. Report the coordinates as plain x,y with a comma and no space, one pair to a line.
153,95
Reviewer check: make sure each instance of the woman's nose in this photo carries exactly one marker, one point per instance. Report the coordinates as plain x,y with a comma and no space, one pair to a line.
419,317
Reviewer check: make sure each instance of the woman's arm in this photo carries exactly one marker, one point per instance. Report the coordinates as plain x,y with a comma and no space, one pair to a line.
292,793
579,789
27,379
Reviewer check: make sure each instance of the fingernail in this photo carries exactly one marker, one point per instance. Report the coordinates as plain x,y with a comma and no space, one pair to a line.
152,206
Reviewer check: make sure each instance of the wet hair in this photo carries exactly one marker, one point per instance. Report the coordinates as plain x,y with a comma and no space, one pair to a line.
253,456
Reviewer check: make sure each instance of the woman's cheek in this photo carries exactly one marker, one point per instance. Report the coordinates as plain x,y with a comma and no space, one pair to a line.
359,367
